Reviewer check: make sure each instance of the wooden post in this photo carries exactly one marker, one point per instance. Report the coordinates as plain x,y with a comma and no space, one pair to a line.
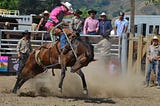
139,53
130,53
148,44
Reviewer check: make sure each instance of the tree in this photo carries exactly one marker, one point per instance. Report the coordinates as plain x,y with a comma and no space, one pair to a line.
9,4
156,2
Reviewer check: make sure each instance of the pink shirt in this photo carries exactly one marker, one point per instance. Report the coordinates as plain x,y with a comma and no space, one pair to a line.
90,25
57,15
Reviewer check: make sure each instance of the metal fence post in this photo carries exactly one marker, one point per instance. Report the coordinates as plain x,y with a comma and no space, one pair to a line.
124,53
0,39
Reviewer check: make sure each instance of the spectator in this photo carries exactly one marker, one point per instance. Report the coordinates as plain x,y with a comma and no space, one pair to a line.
105,26
77,21
121,25
91,25
41,25
153,57
23,50
56,16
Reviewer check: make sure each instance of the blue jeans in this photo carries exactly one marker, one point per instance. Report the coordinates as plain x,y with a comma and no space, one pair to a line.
92,33
153,65
158,73
63,41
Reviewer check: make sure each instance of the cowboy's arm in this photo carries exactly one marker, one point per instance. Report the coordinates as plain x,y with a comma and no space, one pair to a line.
110,27
18,49
115,28
97,26
79,25
38,26
126,27
150,58
85,26
54,15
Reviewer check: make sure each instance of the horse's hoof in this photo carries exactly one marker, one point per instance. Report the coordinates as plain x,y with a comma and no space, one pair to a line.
14,91
60,90
85,91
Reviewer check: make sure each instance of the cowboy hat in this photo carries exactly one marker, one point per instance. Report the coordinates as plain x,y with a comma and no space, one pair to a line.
67,5
92,11
26,32
45,12
155,38
103,14
78,11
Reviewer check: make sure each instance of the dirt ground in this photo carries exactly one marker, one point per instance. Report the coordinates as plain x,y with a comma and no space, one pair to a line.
104,90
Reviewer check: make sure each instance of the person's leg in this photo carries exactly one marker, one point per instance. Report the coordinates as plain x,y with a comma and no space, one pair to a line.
158,74
150,64
63,44
21,64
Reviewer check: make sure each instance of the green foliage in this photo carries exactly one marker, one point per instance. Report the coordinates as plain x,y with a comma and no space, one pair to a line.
156,2
9,4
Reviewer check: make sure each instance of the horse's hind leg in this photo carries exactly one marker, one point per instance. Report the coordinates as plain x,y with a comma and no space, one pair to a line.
63,73
81,74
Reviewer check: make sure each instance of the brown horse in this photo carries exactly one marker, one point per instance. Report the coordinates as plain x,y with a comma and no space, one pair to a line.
43,57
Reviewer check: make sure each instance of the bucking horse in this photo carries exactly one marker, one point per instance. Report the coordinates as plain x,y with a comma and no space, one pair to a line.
51,57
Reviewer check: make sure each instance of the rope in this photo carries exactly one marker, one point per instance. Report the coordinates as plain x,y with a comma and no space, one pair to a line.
70,44
53,39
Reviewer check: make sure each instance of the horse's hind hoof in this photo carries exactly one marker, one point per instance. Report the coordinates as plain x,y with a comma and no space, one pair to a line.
14,91
85,91
60,90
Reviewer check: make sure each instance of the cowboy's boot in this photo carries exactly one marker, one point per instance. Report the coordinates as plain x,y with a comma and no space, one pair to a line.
66,49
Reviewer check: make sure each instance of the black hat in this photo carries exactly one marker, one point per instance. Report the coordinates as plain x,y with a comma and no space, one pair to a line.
26,32
121,13
78,11
92,11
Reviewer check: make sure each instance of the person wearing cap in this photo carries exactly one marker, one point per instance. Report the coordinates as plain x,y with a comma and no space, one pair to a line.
23,49
121,25
153,57
43,20
105,26
91,24
56,16
77,21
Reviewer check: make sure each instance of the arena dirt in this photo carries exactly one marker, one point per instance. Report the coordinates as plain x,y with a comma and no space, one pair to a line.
104,89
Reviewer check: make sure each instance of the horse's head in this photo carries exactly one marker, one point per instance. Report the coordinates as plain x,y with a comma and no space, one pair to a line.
85,52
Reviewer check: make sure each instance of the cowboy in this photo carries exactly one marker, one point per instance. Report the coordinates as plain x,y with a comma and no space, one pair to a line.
23,49
105,26
77,21
56,17
153,57
42,22
91,25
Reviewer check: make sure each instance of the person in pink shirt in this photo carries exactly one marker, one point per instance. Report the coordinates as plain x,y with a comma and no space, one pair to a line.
91,25
56,16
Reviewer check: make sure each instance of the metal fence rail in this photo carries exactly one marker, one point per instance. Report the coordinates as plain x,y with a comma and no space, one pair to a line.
8,45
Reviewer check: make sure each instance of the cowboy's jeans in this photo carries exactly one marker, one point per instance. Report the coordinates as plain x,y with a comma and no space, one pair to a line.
151,65
63,41
158,73
22,62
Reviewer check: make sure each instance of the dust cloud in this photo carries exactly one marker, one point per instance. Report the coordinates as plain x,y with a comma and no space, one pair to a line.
100,82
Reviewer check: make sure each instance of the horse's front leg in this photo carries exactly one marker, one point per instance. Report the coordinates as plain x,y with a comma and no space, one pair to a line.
63,73
81,74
